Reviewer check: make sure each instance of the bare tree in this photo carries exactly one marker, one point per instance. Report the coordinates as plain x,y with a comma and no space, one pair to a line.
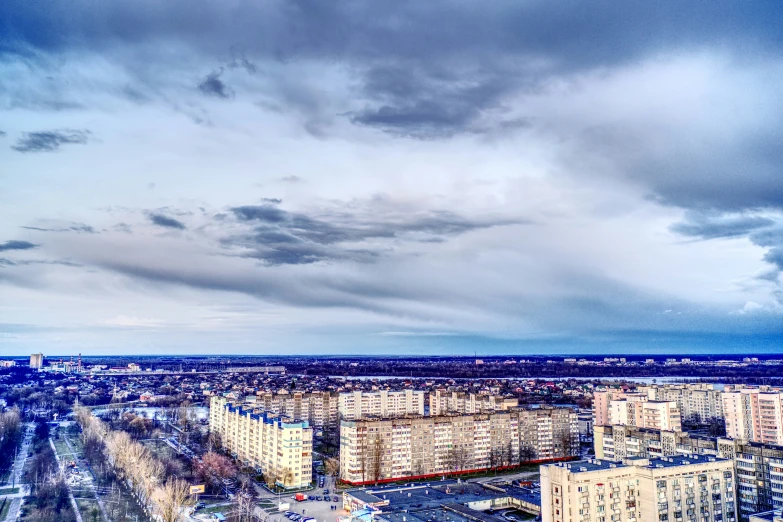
172,497
527,453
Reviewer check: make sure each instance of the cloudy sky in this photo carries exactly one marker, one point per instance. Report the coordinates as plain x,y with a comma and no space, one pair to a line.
528,177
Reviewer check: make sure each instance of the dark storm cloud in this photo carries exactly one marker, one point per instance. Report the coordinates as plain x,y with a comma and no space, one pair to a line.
50,141
575,34
717,225
260,213
165,221
212,85
16,245
282,237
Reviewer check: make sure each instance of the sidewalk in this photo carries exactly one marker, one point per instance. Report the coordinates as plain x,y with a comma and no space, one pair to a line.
74,506
15,477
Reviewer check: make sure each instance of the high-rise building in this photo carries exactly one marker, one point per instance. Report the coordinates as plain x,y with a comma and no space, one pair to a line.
383,450
636,411
381,403
681,488
278,446
318,408
444,401
602,399
754,414
36,360
759,466
698,402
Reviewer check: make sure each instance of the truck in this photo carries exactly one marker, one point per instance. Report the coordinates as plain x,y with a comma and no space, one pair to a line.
299,497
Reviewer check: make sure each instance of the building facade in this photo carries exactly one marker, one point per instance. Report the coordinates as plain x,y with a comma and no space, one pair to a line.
759,467
385,450
668,489
445,401
698,402
382,403
754,414
278,446
36,360
317,408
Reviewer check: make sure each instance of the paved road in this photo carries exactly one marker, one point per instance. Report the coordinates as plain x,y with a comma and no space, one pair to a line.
70,493
16,475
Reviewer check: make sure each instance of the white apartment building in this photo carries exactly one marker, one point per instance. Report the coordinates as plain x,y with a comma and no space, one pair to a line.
384,450
36,360
643,413
754,414
698,402
319,408
381,403
276,445
444,401
668,489
602,399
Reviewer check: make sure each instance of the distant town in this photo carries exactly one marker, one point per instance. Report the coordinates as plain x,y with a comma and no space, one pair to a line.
394,439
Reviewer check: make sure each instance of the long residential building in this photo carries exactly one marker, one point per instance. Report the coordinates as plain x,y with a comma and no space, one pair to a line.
381,403
754,414
318,408
385,450
667,489
759,467
278,446
698,402
449,401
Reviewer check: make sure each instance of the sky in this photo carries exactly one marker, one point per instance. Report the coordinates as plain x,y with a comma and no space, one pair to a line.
390,177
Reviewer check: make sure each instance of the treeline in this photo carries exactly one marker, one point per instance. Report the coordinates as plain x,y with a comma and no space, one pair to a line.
10,434
134,465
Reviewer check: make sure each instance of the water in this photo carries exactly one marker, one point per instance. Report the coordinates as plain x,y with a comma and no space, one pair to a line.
639,380
202,412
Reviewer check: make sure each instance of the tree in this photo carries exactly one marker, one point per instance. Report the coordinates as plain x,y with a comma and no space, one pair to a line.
286,476
171,498
214,468
332,466
527,453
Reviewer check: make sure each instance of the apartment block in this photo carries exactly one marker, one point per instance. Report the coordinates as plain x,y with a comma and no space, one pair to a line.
754,414
318,408
668,489
698,402
602,399
759,467
385,450
275,445
381,403
448,401
36,360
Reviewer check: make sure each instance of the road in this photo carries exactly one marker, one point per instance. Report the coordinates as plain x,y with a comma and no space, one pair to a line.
16,475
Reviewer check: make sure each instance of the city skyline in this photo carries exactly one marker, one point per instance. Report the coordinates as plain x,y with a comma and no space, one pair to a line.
353,178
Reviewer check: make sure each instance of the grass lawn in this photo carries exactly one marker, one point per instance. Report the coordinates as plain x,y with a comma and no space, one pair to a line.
8,491
87,508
